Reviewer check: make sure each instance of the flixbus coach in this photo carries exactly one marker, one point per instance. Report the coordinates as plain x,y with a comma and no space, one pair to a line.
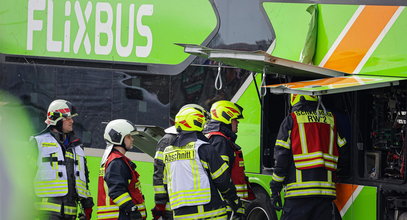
126,59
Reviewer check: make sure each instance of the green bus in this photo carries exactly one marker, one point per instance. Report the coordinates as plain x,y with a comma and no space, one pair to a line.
143,60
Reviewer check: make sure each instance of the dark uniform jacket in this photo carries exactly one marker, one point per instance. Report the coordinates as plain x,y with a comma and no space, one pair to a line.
303,182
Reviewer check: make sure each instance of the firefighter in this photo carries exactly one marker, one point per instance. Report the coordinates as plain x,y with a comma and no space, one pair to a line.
124,199
195,175
62,177
306,156
221,131
162,207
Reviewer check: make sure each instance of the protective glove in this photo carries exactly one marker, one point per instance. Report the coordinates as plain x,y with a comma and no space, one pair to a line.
275,195
134,214
158,211
276,201
236,205
88,213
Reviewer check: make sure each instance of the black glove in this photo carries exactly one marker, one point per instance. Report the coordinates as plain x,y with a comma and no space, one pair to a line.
276,201
134,214
235,204
275,195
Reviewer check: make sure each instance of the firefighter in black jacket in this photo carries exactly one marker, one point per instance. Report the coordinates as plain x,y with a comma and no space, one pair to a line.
221,131
62,176
162,206
306,154
195,176
124,199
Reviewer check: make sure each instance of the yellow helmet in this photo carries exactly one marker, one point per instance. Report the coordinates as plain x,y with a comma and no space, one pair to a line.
225,111
295,98
190,119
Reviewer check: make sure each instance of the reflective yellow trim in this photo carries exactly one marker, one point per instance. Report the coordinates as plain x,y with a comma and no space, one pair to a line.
277,178
220,171
69,155
159,155
123,198
341,141
303,138
225,158
44,144
283,144
213,214
159,189
298,175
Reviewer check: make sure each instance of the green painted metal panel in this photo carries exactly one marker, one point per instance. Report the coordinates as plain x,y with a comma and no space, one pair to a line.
249,128
364,206
129,31
290,22
390,57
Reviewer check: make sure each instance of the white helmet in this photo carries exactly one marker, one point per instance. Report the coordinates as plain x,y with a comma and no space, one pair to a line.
117,129
57,110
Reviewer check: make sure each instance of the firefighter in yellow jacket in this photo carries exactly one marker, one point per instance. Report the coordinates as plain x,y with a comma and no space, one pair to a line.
306,154
195,176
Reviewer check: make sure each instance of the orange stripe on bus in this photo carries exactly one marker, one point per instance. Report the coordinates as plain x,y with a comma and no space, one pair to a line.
360,37
344,192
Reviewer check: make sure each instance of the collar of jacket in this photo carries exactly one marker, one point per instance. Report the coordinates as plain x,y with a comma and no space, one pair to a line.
305,106
185,137
214,125
59,136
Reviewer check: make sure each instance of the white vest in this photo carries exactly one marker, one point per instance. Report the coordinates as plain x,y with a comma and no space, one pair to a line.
187,180
51,178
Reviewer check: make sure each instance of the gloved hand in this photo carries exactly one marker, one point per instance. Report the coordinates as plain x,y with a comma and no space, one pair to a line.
134,214
275,195
276,201
158,211
88,213
235,205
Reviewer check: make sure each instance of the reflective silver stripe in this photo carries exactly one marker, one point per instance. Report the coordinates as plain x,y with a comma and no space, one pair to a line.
159,155
123,198
331,141
283,144
70,210
46,206
341,141
307,192
225,158
108,215
298,175
220,171
159,189
277,178
311,184
189,197
303,138
108,208
206,215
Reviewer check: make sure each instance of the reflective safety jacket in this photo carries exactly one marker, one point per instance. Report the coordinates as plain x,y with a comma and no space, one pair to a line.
306,153
52,178
237,169
111,208
160,192
185,189
196,178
